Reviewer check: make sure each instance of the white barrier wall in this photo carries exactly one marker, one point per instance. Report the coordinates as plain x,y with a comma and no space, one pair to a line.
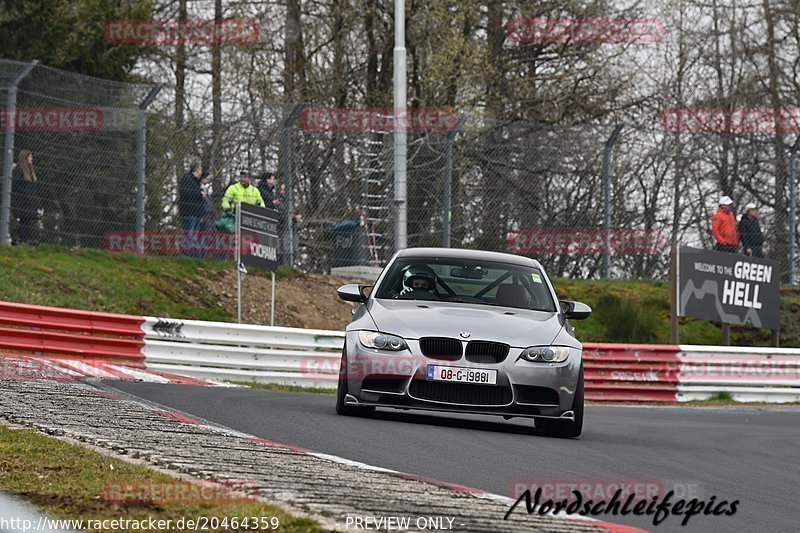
310,358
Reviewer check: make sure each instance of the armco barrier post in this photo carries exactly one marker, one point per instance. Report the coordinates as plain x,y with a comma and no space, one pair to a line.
607,199
8,155
141,160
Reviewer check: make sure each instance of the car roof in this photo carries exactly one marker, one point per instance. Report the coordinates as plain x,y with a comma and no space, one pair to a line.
463,253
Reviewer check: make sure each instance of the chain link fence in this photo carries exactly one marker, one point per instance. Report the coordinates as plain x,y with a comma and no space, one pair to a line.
591,200
587,201
73,156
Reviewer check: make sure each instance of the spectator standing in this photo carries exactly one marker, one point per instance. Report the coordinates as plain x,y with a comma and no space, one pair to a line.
723,227
267,189
281,206
25,197
208,207
750,232
191,206
241,191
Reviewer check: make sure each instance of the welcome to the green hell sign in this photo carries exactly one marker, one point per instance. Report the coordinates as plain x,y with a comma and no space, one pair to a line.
729,288
736,292
739,291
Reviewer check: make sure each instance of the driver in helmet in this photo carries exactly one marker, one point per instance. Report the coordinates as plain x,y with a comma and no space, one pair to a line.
419,282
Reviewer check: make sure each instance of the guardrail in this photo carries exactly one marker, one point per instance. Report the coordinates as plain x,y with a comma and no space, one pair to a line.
628,372
310,358
54,331
239,352
631,372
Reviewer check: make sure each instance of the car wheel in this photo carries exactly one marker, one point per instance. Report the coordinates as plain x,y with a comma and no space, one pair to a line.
341,392
567,429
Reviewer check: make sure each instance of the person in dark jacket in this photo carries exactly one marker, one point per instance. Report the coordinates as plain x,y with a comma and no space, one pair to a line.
25,197
191,206
750,232
207,223
267,187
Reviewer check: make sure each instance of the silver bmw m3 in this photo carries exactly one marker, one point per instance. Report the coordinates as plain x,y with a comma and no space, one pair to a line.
464,331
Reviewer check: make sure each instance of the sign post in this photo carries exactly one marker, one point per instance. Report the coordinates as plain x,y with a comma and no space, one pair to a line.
257,246
272,304
674,296
239,265
730,289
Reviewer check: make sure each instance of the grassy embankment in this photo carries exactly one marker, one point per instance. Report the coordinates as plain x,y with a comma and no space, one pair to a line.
625,310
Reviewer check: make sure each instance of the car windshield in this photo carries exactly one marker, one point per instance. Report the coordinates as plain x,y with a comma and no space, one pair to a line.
467,281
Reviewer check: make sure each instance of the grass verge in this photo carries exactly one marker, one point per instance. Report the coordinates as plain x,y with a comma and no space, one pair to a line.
68,481
284,388
116,283
95,280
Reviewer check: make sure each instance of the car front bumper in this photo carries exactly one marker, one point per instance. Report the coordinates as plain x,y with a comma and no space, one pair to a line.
399,380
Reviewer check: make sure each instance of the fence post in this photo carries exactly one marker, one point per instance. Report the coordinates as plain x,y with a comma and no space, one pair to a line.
401,121
607,199
141,160
286,159
8,156
793,211
447,192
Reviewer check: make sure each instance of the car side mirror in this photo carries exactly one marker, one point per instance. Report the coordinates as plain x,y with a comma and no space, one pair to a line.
354,293
576,310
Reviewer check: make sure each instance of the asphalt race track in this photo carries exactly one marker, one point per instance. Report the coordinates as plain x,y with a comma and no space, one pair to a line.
747,453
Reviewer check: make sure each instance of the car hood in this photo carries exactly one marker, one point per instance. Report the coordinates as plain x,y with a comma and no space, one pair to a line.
413,319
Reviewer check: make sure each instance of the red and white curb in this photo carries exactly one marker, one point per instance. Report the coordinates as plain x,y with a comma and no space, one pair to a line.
478,493
65,369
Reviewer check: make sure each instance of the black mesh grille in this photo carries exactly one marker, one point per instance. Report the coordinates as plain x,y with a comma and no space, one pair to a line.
384,383
441,348
539,395
460,393
486,352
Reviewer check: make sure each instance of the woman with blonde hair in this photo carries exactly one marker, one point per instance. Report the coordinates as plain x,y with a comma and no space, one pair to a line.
24,196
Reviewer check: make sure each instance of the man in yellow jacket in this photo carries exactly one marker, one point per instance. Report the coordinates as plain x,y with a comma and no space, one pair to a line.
241,191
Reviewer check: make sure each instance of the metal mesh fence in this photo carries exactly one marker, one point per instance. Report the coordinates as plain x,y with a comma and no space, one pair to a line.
580,200
81,134
584,201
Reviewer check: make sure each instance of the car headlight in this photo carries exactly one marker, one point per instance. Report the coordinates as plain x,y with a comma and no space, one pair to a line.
546,354
381,341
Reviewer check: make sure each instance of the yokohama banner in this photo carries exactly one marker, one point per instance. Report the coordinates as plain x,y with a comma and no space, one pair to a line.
259,241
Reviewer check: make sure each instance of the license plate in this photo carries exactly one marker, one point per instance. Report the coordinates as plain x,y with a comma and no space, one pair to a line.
462,375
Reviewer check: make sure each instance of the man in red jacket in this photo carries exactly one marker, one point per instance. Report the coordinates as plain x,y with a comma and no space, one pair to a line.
723,227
